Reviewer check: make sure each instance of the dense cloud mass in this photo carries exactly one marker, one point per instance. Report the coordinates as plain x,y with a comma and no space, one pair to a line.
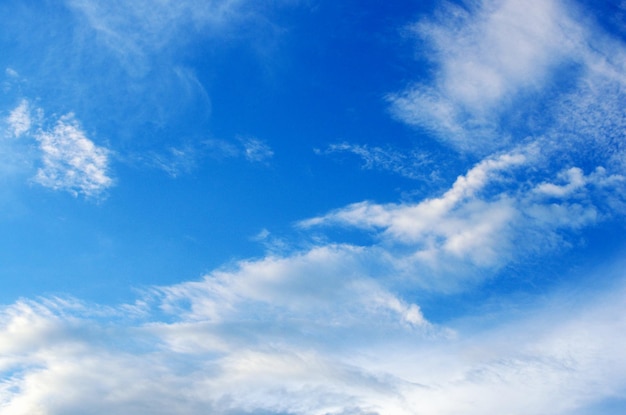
529,91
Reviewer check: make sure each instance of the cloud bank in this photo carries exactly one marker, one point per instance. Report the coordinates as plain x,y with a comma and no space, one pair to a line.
256,339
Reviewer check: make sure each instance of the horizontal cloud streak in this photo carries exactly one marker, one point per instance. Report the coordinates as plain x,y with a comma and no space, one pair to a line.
410,165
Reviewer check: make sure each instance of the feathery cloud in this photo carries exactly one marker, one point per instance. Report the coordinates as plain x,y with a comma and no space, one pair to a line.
255,150
491,58
408,164
71,161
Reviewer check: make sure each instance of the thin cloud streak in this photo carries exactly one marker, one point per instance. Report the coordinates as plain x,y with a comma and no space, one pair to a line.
407,164
189,157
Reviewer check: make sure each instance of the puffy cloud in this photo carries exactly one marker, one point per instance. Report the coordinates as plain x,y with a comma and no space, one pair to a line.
71,161
575,180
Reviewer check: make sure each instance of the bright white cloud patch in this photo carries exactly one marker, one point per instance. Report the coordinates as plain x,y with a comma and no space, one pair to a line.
71,161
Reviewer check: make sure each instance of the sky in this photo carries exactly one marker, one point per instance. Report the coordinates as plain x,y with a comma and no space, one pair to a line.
313,207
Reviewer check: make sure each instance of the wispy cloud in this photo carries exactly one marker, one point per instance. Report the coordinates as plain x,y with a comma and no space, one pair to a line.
489,57
412,164
488,218
256,150
68,159
188,157
304,284
19,119
156,22
136,31
176,161
71,161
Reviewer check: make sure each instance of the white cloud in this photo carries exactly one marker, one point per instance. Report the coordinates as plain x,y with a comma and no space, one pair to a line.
575,180
16,152
322,331
304,284
487,58
413,222
68,159
71,161
19,119
487,219
12,73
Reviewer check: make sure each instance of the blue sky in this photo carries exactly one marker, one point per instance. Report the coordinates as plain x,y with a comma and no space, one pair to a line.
312,207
